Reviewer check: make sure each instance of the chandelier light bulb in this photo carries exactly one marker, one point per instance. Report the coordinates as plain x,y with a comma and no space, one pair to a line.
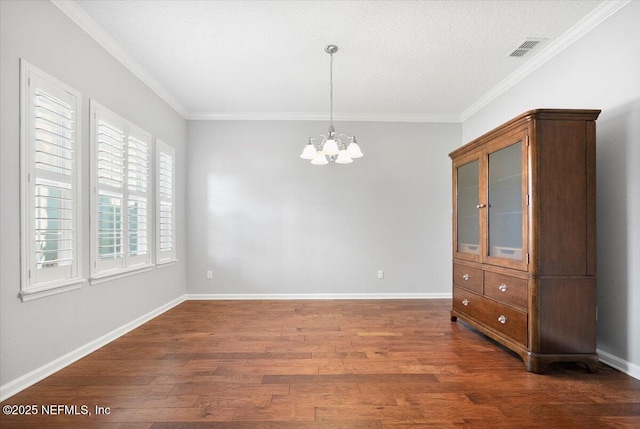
353,150
343,157
319,159
330,147
309,151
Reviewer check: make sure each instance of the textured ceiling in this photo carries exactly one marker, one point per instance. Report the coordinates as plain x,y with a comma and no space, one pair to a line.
397,60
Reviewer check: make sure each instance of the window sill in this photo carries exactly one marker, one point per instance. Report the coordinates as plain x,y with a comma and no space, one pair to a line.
114,275
26,296
166,263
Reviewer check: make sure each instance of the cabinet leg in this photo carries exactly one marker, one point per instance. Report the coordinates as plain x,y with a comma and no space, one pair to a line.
534,364
592,363
538,363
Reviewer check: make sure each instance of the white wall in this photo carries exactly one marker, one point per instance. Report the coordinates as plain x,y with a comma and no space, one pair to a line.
599,71
36,333
267,222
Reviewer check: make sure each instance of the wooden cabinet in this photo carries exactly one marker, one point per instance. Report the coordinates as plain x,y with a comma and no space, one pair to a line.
524,250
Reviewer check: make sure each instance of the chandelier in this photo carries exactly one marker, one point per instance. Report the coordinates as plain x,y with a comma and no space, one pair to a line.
323,149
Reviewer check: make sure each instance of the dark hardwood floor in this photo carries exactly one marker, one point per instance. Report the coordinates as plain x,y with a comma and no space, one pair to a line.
321,365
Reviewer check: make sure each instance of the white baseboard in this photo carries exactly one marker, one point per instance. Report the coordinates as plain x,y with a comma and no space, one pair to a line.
621,365
316,296
11,388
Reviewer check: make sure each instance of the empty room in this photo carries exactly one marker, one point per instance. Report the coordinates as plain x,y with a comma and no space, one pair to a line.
319,214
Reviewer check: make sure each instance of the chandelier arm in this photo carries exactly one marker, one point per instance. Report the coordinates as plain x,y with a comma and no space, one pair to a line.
344,145
345,135
319,135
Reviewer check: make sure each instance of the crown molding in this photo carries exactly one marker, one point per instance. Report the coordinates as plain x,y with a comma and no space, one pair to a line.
91,27
586,24
294,116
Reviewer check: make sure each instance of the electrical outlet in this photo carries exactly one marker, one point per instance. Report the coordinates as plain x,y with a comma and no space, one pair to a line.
380,274
209,275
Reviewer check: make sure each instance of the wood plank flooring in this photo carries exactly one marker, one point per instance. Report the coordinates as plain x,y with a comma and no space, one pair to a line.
321,365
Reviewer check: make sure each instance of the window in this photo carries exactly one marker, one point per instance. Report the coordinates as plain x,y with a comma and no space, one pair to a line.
50,185
165,203
121,195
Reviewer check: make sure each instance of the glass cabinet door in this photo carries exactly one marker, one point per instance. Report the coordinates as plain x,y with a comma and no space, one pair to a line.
505,203
468,222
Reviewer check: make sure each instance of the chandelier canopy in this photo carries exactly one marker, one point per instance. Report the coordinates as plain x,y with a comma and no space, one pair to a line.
323,149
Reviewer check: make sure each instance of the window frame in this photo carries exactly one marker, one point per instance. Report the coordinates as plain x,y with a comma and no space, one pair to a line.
31,287
165,257
104,270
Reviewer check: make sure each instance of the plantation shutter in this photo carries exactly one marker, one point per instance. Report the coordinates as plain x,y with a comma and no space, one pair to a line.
50,192
110,190
121,232
138,196
166,250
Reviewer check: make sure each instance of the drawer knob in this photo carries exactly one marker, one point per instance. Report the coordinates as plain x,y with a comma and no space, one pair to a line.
502,319
502,287
465,302
466,276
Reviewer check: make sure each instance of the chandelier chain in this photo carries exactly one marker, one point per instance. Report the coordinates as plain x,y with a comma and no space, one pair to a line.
331,88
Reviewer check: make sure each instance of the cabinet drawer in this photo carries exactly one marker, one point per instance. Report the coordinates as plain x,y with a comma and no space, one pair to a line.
467,277
498,317
507,289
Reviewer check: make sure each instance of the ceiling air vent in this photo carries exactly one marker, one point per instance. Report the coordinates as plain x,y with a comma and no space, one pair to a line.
524,47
